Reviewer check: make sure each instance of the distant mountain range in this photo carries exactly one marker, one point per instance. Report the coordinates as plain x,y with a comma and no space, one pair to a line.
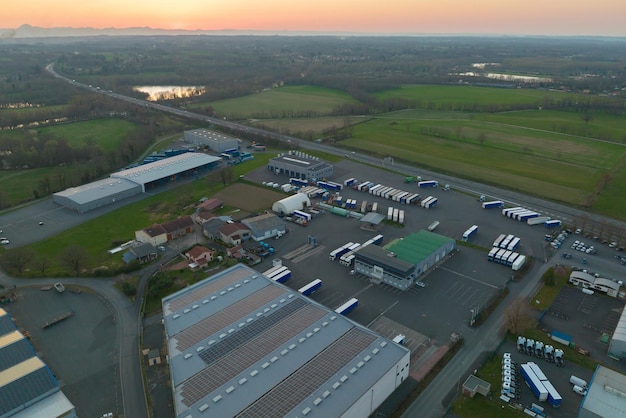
28,31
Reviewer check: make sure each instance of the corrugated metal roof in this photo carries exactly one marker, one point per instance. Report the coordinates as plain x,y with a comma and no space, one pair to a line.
239,342
605,396
166,167
98,189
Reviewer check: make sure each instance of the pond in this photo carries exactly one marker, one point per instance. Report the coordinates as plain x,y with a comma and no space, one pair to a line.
170,92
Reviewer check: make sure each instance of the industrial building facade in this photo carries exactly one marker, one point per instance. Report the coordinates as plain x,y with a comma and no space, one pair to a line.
401,262
215,141
133,181
242,345
265,226
299,165
27,386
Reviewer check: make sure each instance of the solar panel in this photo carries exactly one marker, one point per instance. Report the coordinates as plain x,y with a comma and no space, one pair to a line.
250,332
229,366
212,324
285,396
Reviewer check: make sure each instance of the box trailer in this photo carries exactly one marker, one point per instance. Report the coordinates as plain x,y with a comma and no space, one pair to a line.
493,204
389,213
364,206
282,277
492,253
498,241
537,220
552,223
396,214
350,182
505,212
375,207
432,203
347,307
427,183
401,196
433,226
470,231
339,251
513,243
526,216
513,214
519,262
425,201
505,242
533,382
373,189
554,397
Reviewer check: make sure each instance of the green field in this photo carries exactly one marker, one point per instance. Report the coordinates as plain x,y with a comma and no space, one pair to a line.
292,101
107,133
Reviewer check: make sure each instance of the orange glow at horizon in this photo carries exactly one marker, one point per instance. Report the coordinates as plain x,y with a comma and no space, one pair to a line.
529,17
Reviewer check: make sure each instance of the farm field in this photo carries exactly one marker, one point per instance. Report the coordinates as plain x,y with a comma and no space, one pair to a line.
292,101
107,133
315,126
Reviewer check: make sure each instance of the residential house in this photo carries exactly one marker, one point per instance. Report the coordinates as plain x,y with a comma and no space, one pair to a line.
143,253
178,227
154,235
200,256
234,233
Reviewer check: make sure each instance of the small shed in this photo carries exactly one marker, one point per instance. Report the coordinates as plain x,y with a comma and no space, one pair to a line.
474,385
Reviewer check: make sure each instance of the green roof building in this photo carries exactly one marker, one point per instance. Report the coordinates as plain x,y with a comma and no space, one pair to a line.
404,260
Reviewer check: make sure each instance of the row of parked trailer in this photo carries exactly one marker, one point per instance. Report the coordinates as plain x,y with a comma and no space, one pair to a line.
387,192
529,216
507,242
278,273
509,258
395,215
540,385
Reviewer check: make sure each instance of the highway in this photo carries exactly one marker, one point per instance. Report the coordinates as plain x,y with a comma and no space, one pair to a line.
435,399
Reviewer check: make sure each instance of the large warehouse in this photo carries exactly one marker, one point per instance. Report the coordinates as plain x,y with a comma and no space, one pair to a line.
617,346
242,345
216,141
133,181
401,262
299,165
606,395
27,386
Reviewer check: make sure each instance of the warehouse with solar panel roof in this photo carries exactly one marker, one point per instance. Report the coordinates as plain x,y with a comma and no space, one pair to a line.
242,345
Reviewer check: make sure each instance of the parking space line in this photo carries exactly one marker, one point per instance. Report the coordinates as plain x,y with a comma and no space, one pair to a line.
468,277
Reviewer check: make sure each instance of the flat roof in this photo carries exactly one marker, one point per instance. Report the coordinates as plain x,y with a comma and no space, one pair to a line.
382,257
263,222
241,344
147,173
416,247
98,189
212,135
606,393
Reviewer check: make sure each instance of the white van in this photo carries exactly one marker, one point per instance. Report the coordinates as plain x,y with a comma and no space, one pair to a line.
579,390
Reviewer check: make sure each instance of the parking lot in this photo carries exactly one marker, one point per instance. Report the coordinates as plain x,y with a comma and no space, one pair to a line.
81,351
558,376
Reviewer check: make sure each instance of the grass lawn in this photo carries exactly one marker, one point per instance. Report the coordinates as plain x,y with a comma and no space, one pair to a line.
292,101
107,133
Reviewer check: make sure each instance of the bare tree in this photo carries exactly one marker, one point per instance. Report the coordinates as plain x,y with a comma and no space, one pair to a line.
513,315
18,259
41,263
482,137
75,258
587,117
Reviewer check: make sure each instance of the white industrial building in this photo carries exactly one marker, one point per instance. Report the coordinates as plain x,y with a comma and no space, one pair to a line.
215,141
242,345
302,166
27,386
286,206
617,346
133,181
606,395
599,284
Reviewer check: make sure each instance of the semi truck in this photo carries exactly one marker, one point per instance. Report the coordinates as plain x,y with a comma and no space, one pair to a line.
552,223
428,183
470,231
493,204
533,382
340,251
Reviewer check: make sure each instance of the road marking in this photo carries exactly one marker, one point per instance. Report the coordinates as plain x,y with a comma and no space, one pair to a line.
382,313
470,278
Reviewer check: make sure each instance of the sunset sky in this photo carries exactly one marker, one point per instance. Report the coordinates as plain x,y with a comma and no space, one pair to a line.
528,17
